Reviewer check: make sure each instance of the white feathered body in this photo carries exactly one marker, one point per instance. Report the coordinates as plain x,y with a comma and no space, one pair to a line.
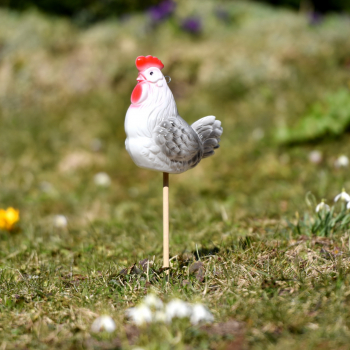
158,138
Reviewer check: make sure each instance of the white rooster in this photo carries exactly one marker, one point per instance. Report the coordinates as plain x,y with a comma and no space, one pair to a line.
157,137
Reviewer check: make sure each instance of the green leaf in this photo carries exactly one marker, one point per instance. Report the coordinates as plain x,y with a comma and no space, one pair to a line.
328,118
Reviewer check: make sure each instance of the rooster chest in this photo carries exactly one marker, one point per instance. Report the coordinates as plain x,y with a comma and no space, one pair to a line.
136,123
138,137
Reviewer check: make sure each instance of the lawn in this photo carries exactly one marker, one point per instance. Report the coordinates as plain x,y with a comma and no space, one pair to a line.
245,239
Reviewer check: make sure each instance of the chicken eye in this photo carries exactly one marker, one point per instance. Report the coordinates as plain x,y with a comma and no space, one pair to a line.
151,73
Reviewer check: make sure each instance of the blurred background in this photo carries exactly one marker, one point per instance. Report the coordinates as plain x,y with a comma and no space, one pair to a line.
86,12
276,73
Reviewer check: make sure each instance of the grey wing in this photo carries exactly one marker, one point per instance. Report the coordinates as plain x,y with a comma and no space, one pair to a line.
177,140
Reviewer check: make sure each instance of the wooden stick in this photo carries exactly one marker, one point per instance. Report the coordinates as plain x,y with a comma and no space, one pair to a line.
166,220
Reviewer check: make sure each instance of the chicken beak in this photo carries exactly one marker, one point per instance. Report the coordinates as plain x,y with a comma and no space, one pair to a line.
140,78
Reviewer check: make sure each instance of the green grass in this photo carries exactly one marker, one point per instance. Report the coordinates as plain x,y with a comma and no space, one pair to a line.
272,269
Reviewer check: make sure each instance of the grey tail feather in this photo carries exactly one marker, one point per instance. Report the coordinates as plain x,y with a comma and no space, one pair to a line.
209,131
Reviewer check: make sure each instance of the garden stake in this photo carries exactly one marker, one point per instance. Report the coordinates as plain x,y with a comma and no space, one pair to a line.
166,220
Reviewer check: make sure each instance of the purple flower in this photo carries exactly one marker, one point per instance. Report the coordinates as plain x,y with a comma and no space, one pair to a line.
162,10
315,18
192,25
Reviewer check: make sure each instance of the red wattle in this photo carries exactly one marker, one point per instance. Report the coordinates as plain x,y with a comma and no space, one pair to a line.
136,93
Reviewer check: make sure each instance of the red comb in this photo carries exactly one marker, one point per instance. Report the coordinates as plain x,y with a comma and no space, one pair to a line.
143,63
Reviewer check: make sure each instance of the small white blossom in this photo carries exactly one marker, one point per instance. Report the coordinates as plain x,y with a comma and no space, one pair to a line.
152,301
343,196
102,179
60,221
200,314
33,277
159,316
348,205
140,314
342,161
103,323
322,206
315,157
177,308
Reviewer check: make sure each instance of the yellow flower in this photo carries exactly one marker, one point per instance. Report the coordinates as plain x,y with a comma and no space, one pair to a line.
8,218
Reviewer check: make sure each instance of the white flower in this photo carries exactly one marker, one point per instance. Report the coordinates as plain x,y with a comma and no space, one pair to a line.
342,196
60,221
200,314
102,179
152,301
322,206
342,161
315,157
103,323
33,277
348,205
177,308
140,314
159,316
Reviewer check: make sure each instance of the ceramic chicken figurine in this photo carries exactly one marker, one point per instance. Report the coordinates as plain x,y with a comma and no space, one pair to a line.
157,137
